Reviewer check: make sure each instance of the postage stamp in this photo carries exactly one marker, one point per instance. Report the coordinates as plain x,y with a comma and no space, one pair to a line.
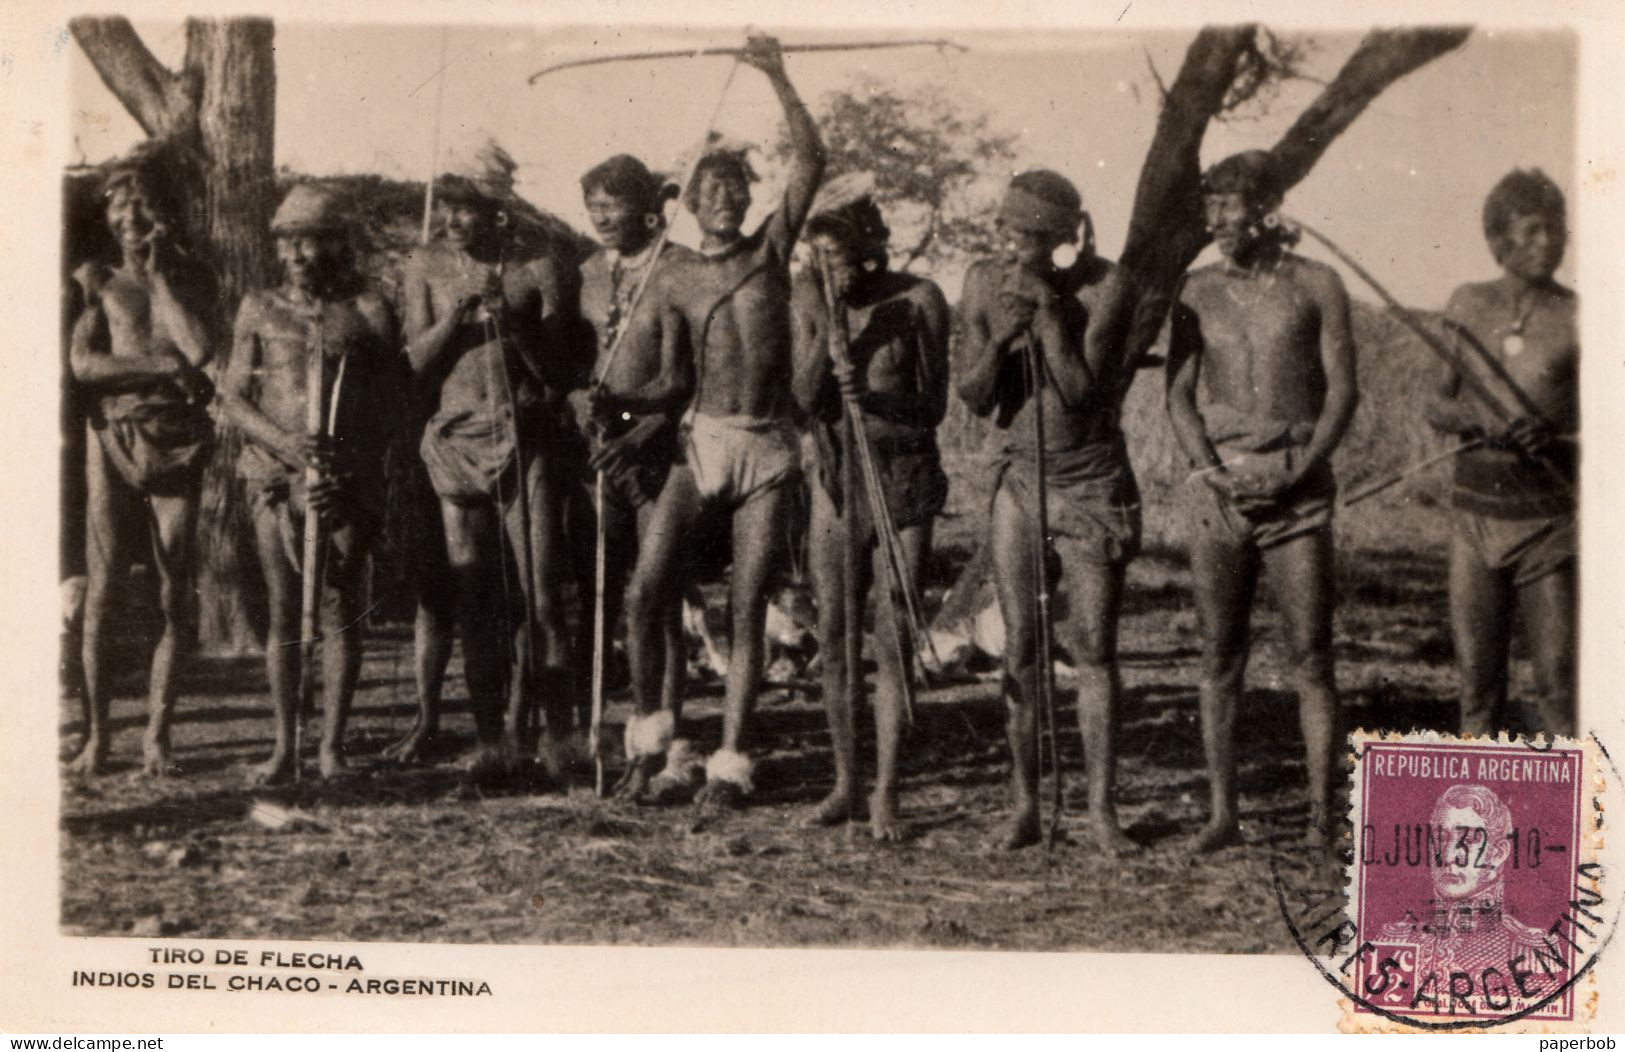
1475,894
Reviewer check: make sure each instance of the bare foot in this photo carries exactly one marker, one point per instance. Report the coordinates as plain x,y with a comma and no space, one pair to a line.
717,795
331,762
275,771
90,760
412,748
835,809
1021,831
487,761
883,823
1112,840
72,748
558,756
155,761
1218,833
635,780
667,790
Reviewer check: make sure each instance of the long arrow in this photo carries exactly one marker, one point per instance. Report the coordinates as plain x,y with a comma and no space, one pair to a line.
736,52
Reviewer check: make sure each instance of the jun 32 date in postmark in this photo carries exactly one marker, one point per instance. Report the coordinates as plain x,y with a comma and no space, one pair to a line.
1475,897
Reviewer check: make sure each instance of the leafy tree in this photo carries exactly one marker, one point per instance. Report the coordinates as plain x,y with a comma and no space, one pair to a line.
936,166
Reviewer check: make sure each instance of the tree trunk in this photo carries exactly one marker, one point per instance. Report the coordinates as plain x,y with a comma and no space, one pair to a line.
219,113
1166,229
234,65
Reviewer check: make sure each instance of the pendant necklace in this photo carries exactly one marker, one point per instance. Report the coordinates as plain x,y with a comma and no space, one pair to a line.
1513,343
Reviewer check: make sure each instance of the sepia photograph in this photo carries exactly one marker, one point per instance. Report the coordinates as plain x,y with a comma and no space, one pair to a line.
889,485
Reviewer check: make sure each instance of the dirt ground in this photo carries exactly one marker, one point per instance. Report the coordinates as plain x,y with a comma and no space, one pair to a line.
416,854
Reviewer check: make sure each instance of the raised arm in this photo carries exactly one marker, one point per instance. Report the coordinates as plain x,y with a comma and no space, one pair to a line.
806,148
980,352
235,405
1061,327
927,404
180,295
427,337
1337,363
91,357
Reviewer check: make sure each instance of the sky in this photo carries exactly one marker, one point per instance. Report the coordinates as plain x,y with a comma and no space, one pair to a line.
1401,189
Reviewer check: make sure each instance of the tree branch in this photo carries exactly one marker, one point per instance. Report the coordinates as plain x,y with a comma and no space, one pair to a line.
917,252
154,96
1384,56
1169,178
1162,87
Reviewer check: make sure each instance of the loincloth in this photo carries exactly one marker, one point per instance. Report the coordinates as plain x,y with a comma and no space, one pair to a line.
636,482
734,458
1249,445
1503,484
1531,548
470,456
280,501
1093,502
158,449
911,477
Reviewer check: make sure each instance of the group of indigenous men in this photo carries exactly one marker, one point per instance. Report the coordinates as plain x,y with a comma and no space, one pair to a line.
676,385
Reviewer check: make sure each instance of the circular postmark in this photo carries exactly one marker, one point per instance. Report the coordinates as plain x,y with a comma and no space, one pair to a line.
1473,898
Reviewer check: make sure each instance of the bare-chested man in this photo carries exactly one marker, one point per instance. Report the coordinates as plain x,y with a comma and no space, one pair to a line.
1077,318
1261,390
1514,539
322,308
899,353
139,347
632,421
490,340
730,313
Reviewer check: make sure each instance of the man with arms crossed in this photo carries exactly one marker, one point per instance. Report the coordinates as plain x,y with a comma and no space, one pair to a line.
731,312
1076,318
1514,540
1261,389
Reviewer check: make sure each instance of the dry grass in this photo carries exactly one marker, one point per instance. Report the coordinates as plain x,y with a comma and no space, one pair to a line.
419,855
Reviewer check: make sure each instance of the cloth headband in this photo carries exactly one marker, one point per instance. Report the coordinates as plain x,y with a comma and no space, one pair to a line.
1026,211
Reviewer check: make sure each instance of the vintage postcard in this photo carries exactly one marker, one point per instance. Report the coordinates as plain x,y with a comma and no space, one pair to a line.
626,519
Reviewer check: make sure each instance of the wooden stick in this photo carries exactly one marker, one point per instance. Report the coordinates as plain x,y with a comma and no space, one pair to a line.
858,451
314,543
852,597
524,555
598,632
1046,666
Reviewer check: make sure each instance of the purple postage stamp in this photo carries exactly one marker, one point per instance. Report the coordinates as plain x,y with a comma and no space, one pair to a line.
1474,893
